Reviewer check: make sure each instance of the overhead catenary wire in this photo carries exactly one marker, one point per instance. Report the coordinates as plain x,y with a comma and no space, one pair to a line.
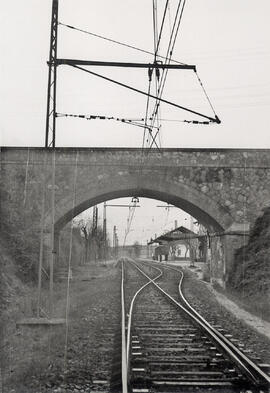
156,44
170,46
161,82
162,26
206,95
146,139
169,53
128,121
150,71
147,107
215,120
155,27
157,72
118,42
131,213
98,117
155,118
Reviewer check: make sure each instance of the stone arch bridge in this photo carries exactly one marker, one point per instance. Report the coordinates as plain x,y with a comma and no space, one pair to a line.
224,189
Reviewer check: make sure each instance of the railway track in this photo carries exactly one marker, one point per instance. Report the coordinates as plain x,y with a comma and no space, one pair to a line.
168,347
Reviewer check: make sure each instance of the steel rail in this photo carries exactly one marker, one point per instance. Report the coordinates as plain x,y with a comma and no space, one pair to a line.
131,310
239,353
225,340
123,326
237,356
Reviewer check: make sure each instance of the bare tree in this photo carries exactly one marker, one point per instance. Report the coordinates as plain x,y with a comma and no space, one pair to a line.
94,240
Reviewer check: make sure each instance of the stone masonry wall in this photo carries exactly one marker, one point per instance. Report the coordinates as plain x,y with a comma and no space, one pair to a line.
219,187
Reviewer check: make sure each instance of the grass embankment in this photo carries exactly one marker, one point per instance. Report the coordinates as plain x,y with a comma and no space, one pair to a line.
32,356
250,279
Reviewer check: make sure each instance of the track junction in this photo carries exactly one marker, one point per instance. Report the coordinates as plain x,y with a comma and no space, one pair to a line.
168,347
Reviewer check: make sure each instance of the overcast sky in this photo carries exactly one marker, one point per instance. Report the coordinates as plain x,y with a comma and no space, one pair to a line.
152,218
227,40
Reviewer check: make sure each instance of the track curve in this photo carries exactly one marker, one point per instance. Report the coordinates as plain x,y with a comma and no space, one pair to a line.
217,363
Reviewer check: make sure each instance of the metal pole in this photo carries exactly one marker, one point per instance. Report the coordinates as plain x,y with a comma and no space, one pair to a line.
41,239
52,236
52,76
104,231
114,240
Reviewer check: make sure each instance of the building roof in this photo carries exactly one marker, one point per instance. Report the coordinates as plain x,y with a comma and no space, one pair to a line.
175,234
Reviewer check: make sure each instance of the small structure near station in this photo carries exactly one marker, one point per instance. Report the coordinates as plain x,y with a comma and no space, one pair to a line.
180,244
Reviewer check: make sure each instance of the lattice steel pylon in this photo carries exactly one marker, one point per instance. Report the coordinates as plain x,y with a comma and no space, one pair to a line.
52,79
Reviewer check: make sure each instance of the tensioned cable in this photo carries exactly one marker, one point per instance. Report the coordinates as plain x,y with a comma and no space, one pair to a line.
129,221
117,42
167,59
101,117
161,27
154,7
157,72
155,34
123,120
206,95
159,84
177,29
170,52
215,120
135,48
199,80
170,21
150,71
170,48
147,108
164,74
98,117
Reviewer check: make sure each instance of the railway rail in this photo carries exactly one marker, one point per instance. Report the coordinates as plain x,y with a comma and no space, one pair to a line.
168,347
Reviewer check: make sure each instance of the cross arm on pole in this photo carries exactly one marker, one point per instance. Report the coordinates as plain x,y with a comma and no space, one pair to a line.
125,64
123,205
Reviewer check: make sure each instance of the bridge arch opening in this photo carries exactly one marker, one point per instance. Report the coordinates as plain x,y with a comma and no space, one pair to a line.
208,221
141,230
204,208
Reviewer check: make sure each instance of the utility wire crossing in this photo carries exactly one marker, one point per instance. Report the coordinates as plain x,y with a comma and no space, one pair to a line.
160,64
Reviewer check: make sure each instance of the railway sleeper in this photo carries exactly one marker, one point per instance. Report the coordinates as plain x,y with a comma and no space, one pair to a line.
189,366
177,385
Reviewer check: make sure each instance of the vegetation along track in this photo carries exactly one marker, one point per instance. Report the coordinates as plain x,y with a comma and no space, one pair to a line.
169,347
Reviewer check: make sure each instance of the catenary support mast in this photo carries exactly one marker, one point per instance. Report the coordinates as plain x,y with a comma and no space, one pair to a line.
52,79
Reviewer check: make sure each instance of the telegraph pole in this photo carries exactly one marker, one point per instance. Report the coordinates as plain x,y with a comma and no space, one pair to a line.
104,231
115,241
94,230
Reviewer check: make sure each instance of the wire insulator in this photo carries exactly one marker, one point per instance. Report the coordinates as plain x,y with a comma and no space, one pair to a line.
150,72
